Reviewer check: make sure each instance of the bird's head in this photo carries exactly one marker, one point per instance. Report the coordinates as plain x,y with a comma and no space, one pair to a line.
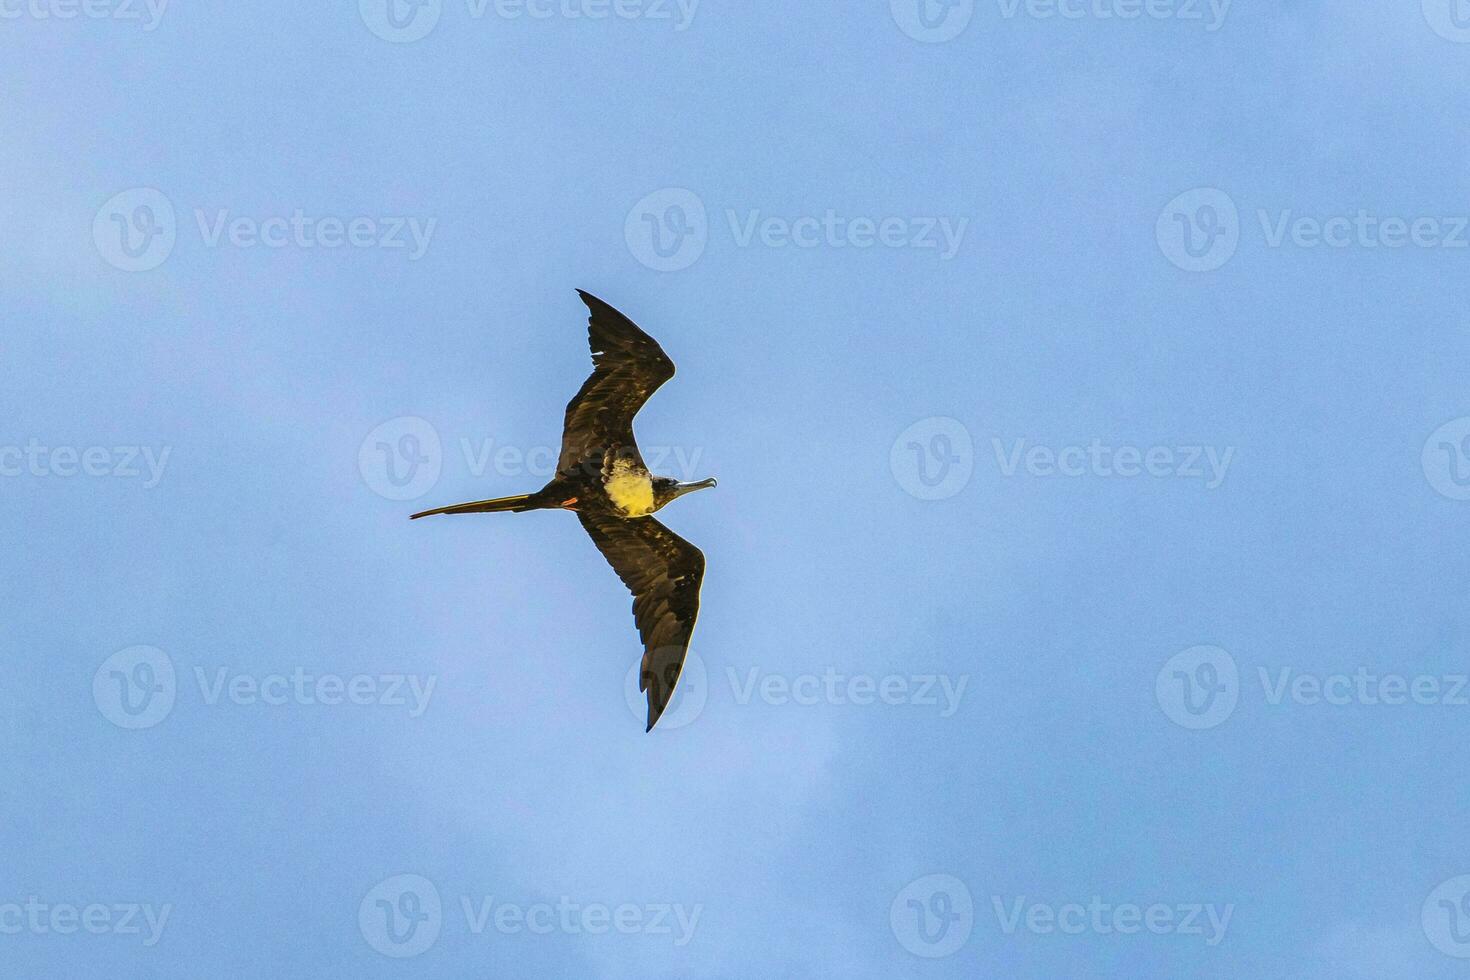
667,488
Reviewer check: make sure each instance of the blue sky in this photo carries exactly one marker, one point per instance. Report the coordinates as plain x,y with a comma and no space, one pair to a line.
1086,388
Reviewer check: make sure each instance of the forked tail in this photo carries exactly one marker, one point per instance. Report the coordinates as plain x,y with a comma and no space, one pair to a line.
517,503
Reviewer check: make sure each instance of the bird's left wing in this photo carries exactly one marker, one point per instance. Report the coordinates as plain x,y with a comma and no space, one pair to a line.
664,572
627,367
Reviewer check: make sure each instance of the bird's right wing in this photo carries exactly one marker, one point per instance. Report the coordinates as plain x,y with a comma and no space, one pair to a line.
627,367
664,572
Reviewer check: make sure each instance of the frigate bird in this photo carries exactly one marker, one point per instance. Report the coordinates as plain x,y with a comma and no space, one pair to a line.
601,476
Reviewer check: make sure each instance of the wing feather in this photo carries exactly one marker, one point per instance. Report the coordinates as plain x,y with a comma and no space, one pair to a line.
627,367
664,573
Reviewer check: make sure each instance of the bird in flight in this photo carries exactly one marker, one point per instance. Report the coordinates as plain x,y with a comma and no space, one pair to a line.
600,475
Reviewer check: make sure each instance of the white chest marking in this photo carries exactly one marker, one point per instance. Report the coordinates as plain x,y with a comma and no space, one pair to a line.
630,488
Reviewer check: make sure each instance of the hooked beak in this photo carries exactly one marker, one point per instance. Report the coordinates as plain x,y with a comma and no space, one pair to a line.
684,488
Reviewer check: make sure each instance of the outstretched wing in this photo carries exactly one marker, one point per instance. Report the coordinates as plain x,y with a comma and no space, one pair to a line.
627,367
664,572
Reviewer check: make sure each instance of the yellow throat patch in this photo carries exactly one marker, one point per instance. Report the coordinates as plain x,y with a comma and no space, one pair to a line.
630,489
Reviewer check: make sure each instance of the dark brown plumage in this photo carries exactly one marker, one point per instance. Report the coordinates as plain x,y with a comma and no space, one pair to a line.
601,475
